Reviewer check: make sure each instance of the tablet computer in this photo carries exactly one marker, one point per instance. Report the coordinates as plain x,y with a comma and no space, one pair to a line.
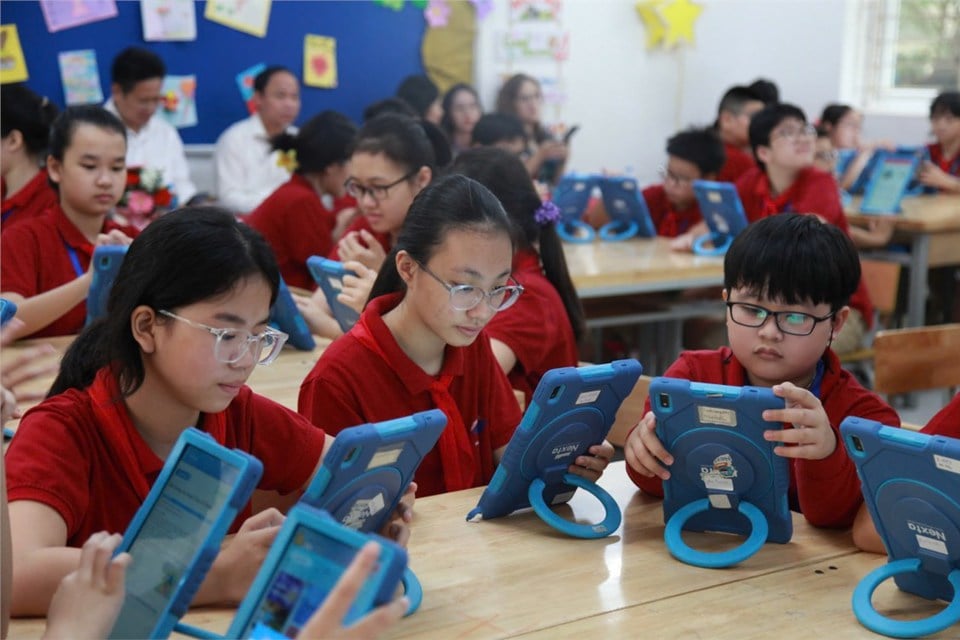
723,469
328,274
7,311
888,184
571,410
368,467
176,534
307,558
911,485
572,195
860,182
723,212
106,264
629,215
284,316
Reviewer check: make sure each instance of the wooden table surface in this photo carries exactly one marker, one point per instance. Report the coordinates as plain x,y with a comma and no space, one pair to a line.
928,214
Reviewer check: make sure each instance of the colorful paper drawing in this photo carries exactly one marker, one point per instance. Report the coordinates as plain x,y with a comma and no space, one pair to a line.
319,61
521,44
13,68
168,20
65,14
81,80
437,13
482,7
554,91
249,16
178,104
245,83
667,23
535,10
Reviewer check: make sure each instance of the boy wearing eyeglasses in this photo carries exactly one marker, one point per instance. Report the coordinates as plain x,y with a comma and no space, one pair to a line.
787,282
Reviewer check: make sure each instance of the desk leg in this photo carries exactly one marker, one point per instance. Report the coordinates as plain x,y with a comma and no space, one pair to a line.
917,296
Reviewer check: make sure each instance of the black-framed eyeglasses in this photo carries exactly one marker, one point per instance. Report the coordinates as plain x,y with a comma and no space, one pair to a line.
377,192
464,297
794,323
233,344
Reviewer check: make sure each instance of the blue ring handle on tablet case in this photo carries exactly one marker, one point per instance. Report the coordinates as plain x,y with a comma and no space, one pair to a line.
196,632
610,523
714,560
617,231
719,247
878,623
413,590
575,231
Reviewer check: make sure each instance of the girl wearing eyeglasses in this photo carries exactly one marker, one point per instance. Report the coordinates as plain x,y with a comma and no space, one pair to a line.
419,343
186,323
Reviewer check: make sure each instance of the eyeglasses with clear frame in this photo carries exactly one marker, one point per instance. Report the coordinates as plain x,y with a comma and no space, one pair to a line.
233,344
794,323
464,297
377,192
668,176
795,133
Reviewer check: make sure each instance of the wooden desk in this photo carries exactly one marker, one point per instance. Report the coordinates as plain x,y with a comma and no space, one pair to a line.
930,225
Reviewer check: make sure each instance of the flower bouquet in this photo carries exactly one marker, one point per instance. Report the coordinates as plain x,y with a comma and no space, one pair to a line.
145,198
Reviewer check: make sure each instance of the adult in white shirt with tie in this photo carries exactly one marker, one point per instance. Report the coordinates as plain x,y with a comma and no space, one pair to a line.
248,169
136,79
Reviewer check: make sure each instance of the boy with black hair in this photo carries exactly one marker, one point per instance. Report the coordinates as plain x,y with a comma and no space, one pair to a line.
136,79
943,169
501,130
787,282
422,95
694,154
765,90
733,120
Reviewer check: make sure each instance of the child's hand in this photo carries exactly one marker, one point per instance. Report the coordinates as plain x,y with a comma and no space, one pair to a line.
30,364
327,621
356,289
591,467
644,452
812,437
933,176
683,242
552,150
115,237
397,527
240,558
88,601
345,218
362,247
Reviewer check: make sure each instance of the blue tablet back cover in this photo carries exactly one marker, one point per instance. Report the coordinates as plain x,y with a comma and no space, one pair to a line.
715,434
571,410
287,318
720,207
328,274
368,467
106,263
624,203
572,194
911,484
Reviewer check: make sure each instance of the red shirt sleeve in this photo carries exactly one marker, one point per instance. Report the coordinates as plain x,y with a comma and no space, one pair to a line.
19,262
947,420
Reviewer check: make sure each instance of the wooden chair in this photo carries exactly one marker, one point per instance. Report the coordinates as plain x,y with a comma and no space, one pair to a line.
907,360
882,280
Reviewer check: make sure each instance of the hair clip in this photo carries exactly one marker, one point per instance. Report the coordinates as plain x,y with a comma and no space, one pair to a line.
546,213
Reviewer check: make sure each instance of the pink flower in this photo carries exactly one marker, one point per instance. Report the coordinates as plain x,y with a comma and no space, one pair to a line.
139,203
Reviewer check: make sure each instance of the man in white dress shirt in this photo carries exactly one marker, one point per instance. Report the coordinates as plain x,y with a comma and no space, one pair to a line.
248,169
136,81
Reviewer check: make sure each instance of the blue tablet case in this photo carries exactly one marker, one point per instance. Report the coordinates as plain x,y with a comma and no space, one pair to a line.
723,212
368,467
844,158
307,558
7,311
285,317
572,195
629,215
860,183
722,466
571,410
328,274
889,181
176,534
911,484
106,263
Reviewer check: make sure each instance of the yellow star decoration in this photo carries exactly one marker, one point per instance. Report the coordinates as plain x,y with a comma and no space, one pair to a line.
668,21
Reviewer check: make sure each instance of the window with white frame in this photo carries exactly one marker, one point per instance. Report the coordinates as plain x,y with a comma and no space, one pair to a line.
904,53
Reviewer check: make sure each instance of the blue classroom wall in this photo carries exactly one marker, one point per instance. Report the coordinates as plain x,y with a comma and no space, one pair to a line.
376,48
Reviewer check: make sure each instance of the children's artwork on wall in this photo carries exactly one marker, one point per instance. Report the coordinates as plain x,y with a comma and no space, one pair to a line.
519,44
447,51
535,10
168,20
554,91
65,14
319,61
482,8
245,84
13,68
249,16
81,80
437,13
668,21
178,100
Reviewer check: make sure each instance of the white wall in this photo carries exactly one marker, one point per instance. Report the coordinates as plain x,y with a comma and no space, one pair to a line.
628,100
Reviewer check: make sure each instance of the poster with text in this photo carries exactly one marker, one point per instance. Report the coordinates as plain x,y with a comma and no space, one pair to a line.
81,80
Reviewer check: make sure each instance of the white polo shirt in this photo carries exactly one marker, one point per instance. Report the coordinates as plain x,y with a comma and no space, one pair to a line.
246,166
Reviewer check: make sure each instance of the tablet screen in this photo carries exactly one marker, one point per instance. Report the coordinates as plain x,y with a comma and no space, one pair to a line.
171,536
308,570
886,191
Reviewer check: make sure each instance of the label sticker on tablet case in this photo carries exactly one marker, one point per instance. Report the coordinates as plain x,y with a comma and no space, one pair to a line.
947,464
716,415
588,397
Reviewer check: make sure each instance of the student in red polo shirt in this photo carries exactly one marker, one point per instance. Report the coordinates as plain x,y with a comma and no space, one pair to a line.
943,170
733,120
25,120
299,219
186,323
541,331
787,280
44,261
419,343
